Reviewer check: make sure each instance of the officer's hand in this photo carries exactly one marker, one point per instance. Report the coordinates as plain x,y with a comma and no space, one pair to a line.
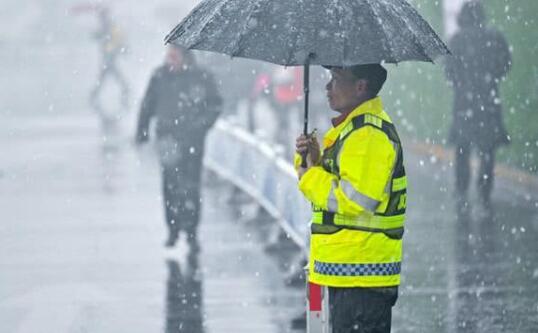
308,145
314,151
301,172
301,145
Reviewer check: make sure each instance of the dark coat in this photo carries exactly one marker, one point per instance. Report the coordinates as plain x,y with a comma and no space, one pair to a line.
480,59
185,105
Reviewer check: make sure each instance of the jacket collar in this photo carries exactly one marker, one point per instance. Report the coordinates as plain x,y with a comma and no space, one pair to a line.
373,106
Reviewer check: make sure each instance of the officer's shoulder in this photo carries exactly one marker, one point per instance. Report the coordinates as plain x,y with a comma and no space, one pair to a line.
365,130
369,137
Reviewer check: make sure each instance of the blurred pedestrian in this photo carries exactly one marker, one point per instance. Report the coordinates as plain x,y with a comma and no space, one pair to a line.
112,44
480,60
357,187
184,101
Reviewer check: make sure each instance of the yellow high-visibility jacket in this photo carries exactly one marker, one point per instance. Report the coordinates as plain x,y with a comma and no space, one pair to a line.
358,195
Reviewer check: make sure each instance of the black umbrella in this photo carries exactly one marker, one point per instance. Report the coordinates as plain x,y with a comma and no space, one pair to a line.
305,32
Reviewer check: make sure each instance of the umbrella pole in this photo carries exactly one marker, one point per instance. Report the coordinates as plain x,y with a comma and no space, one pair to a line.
306,88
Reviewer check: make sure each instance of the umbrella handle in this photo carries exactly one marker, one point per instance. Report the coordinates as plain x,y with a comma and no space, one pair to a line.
306,89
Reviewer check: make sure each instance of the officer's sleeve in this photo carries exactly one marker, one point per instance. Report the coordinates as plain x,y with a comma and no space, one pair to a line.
297,161
316,185
366,161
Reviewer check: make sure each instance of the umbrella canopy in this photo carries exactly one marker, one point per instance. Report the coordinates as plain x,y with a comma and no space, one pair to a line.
304,32
319,32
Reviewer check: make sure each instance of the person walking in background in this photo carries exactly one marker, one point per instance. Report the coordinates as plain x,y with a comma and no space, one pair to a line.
112,44
184,100
358,190
481,59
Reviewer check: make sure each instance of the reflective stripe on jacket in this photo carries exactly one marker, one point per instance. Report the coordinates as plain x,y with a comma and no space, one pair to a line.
358,196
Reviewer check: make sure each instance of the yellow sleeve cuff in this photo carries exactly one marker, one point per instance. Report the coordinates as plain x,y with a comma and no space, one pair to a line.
316,185
297,160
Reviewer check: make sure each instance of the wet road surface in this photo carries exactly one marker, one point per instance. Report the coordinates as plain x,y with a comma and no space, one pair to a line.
82,236
467,270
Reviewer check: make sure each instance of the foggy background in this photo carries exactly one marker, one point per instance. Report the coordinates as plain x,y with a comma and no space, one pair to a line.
43,46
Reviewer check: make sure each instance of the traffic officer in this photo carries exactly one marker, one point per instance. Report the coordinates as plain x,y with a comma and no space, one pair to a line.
357,187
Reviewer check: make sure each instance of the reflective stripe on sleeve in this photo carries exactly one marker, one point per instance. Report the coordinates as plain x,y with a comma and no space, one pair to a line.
332,203
359,198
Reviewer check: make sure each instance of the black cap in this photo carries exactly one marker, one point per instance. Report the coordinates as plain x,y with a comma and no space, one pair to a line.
375,74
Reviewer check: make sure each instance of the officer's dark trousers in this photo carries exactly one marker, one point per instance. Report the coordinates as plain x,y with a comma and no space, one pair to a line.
363,310
485,174
181,196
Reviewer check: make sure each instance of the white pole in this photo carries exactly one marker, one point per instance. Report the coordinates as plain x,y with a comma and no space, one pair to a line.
317,307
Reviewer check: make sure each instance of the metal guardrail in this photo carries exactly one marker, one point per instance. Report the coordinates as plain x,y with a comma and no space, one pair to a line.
256,168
